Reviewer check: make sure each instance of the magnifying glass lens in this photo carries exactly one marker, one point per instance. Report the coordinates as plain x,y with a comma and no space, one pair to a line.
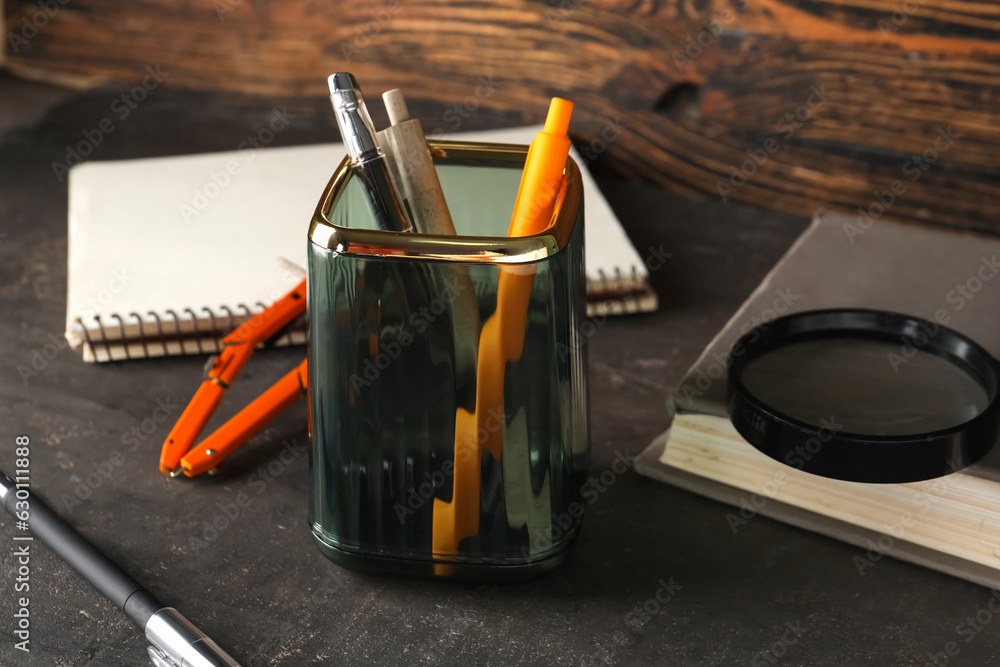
864,395
864,386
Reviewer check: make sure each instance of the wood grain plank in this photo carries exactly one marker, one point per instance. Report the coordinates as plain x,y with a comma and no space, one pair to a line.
680,90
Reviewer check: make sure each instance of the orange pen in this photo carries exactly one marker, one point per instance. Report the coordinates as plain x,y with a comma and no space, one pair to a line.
502,337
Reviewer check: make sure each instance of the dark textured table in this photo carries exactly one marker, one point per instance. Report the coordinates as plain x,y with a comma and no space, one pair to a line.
771,594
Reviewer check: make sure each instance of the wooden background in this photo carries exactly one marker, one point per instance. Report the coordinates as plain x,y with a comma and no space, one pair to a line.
676,104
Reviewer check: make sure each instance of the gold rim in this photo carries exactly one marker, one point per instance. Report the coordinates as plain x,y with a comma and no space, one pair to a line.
486,249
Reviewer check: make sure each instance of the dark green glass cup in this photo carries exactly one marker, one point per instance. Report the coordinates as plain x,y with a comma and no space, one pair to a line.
401,428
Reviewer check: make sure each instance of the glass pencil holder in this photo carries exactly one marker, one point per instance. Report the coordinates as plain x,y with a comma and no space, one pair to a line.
448,417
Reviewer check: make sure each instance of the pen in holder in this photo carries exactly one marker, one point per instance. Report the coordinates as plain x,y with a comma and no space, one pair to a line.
403,458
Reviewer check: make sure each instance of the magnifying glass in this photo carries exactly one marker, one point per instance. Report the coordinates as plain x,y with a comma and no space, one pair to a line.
864,395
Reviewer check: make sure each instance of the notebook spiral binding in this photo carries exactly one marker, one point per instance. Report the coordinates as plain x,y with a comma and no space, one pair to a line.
182,335
619,294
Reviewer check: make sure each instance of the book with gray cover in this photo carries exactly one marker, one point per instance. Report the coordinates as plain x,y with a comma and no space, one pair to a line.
949,277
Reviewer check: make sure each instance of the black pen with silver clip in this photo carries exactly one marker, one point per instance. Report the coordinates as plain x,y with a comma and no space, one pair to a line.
367,157
176,642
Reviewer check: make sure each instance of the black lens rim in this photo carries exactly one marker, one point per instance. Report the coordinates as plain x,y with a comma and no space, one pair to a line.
857,457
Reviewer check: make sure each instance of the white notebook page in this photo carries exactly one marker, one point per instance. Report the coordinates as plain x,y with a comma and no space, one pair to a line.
177,235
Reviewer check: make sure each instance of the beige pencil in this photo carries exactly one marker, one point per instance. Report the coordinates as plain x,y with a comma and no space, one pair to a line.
416,179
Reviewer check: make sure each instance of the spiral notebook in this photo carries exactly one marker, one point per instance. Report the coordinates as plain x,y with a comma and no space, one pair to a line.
167,255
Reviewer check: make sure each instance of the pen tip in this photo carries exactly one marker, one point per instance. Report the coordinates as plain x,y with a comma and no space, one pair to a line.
341,82
395,106
557,121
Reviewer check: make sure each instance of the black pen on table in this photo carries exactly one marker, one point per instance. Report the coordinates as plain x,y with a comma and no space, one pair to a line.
176,642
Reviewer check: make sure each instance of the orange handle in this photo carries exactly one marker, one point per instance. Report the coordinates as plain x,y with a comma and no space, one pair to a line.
239,346
246,423
241,343
269,321
189,425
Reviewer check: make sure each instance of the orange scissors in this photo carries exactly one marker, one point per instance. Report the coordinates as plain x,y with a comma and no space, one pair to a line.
177,456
